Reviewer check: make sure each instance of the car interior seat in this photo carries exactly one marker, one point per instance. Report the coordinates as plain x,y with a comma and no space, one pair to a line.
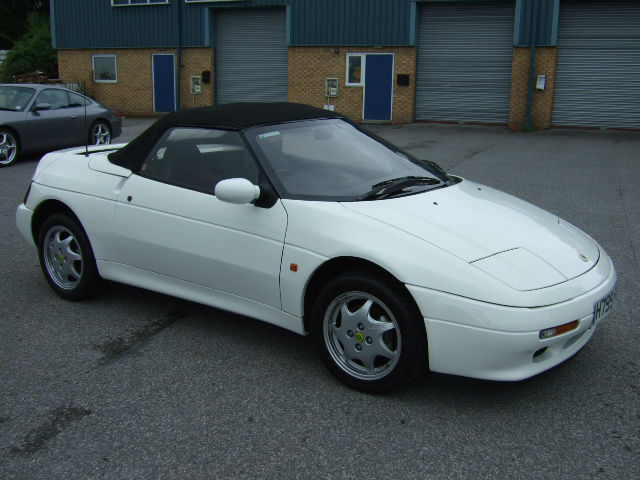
187,167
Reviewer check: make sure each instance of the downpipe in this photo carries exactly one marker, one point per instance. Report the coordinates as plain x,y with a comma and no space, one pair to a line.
532,65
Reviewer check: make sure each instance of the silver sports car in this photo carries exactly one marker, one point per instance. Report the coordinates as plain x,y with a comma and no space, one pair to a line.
36,117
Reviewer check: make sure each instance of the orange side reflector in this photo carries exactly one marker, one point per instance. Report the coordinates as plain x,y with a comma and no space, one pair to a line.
559,330
567,327
293,267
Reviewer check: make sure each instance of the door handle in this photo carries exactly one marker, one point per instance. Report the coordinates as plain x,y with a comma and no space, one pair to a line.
73,117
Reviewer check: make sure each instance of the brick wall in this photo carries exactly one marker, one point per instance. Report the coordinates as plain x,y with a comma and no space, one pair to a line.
309,66
542,101
133,93
194,62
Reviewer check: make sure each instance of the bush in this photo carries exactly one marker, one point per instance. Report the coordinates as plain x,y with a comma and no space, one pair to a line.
32,52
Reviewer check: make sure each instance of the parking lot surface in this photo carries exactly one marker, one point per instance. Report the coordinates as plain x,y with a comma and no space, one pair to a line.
138,385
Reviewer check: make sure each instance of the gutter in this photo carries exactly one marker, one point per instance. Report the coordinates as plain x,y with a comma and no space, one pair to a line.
179,55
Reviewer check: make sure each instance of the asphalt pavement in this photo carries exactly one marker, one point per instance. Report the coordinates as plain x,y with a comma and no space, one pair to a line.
137,385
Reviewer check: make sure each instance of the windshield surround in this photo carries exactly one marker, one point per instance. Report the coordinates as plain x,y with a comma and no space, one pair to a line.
333,160
15,98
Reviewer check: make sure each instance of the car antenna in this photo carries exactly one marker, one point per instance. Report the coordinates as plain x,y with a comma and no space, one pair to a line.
86,143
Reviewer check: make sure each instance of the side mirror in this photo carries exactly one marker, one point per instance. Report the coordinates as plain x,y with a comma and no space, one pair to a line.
237,190
42,106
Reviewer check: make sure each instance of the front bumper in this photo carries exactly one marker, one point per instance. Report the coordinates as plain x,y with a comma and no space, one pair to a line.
494,342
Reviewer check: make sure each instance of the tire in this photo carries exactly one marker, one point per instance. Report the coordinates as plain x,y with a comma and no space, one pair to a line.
9,147
66,258
99,133
381,345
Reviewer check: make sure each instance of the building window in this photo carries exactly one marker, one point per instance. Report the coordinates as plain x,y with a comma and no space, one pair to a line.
118,3
105,69
355,67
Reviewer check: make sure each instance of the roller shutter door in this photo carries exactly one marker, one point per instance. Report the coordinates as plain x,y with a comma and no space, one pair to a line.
598,67
464,57
251,56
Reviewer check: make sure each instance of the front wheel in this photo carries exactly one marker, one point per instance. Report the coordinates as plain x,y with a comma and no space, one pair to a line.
9,147
66,258
369,332
100,133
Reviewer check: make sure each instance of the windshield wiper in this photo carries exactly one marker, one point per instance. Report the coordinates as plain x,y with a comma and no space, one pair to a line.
395,185
437,168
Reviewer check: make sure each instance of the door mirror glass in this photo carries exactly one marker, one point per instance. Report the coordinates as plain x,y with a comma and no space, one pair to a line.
237,190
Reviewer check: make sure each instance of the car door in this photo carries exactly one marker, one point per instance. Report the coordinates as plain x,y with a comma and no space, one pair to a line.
58,126
168,220
80,106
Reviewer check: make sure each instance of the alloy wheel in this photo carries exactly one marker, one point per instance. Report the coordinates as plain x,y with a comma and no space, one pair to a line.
8,148
100,134
362,335
63,257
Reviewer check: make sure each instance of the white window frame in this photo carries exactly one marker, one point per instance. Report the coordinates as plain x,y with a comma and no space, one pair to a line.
363,59
362,77
146,2
115,64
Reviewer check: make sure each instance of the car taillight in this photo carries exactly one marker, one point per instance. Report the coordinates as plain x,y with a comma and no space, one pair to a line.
26,195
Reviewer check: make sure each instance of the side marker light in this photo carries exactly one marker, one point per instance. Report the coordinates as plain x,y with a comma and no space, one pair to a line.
293,267
559,330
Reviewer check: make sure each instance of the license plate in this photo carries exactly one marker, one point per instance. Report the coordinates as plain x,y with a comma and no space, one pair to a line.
603,307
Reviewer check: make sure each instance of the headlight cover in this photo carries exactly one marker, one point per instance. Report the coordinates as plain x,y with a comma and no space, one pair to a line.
520,269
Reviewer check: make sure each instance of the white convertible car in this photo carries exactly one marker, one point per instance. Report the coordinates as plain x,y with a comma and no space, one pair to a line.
298,217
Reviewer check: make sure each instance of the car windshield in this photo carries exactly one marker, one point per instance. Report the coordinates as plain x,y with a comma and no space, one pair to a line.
332,159
15,98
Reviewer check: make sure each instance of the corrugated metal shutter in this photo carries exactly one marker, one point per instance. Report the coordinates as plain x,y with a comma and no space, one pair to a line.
251,56
598,67
464,57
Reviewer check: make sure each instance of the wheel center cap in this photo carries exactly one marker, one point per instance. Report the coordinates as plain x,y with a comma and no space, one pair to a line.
359,337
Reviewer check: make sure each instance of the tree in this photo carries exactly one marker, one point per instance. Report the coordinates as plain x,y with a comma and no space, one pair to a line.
13,19
32,51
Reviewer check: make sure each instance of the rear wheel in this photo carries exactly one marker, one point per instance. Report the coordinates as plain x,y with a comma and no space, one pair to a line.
9,147
369,332
66,258
100,133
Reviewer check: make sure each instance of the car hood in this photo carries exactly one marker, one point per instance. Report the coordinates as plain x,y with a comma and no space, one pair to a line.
510,239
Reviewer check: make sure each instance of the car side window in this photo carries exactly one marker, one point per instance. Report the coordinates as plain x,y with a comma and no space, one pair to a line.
54,97
76,100
198,158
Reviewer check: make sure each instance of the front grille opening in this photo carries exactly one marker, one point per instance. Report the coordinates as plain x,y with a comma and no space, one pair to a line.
539,352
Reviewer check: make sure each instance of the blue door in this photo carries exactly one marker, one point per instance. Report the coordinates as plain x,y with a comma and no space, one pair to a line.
378,78
164,88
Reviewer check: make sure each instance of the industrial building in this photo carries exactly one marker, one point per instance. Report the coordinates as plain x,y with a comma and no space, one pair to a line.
373,60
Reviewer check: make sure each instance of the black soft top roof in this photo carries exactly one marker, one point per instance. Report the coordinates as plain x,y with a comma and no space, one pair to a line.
232,116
